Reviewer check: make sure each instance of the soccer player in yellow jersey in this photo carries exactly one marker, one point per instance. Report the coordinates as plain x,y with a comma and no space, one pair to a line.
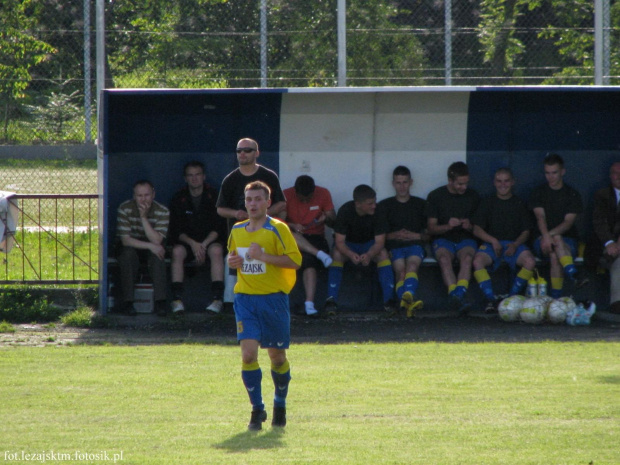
265,255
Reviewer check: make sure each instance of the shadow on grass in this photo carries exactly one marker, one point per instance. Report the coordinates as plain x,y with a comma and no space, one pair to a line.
611,379
252,440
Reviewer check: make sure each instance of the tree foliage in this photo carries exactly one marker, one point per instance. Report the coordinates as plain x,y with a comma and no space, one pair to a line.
20,51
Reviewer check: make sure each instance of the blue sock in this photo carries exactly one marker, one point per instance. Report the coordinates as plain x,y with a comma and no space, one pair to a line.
400,290
252,377
386,278
334,278
523,276
281,378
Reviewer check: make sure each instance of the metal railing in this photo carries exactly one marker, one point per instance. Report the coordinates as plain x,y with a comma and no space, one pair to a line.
56,240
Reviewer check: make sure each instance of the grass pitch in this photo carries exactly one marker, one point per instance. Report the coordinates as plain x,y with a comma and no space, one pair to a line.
424,403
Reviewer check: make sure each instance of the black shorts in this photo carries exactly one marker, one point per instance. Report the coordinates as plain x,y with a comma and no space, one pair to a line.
309,260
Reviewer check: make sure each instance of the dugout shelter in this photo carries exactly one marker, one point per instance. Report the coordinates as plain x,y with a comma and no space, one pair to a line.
343,137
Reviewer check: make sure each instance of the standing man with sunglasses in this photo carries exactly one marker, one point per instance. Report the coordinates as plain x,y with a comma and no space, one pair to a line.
231,200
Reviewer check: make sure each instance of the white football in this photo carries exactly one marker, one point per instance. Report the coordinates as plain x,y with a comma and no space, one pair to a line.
534,310
510,307
569,302
557,311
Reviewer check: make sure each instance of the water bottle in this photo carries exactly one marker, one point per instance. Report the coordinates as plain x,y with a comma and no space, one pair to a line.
542,286
532,288
580,315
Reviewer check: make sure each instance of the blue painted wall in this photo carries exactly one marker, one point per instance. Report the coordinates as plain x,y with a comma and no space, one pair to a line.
517,128
152,134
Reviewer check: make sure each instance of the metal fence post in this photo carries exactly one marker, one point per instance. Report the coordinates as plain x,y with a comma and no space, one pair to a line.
263,43
100,25
448,40
342,43
87,73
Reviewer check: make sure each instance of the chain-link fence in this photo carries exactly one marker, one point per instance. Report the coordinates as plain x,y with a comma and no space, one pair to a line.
56,232
47,49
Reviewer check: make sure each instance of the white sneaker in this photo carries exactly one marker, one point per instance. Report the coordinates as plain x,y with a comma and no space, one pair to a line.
215,306
310,310
177,306
325,258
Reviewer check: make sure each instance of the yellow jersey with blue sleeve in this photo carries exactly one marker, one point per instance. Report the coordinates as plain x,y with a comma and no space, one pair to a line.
255,276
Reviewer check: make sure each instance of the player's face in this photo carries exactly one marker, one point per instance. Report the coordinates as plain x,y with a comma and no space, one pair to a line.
614,175
144,194
402,184
554,175
246,153
366,207
458,185
503,183
194,177
256,203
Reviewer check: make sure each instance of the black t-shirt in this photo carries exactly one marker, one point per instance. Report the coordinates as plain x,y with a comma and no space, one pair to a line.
196,217
232,192
409,215
504,219
443,205
557,204
356,228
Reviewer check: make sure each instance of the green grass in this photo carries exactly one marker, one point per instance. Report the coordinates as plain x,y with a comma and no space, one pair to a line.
81,317
55,256
48,176
6,327
542,403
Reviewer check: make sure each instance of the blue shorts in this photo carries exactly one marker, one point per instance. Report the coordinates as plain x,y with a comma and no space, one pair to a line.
406,252
453,247
511,261
360,248
569,241
264,318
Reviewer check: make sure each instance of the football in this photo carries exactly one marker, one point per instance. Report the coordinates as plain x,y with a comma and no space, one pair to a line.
569,302
510,307
557,311
534,310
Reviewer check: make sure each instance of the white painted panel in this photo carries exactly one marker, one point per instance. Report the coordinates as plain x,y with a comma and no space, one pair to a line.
425,132
329,137
345,139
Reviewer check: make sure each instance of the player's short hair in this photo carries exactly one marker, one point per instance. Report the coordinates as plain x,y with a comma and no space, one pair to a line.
258,186
193,164
304,185
457,169
401,170
143,182
363,192
252,141
553,159
504,170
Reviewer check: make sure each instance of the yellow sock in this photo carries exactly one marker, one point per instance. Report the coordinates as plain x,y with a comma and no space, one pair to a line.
525,274
250,366
557,283
463,282
566,260
481,275
451,287
284,368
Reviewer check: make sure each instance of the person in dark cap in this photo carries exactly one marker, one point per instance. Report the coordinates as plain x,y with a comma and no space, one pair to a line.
308,209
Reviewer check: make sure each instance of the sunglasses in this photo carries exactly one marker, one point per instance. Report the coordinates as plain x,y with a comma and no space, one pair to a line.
246,150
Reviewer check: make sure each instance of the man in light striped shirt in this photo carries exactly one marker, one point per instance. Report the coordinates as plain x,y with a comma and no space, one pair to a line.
142,226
